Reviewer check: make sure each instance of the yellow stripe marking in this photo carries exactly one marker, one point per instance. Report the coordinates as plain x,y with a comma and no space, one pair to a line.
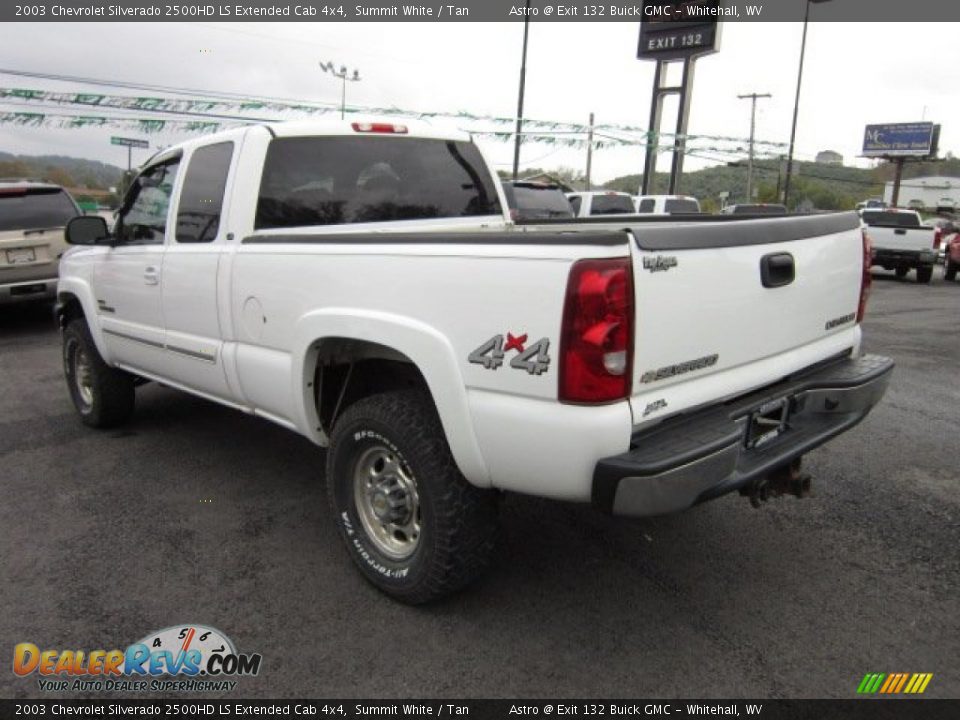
911,684
926,681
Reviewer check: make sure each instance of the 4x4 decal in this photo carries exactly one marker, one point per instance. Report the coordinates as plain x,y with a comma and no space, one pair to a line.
534,359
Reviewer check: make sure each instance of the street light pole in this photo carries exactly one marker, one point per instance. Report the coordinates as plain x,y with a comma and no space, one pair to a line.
796,101
344,77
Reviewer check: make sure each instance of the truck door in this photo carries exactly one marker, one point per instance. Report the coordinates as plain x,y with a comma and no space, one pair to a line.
194,338
127,280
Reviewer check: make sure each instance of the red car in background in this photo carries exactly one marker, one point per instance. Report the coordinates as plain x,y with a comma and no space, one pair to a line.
951,258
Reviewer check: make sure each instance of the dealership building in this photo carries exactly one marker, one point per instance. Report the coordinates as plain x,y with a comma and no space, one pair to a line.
928,192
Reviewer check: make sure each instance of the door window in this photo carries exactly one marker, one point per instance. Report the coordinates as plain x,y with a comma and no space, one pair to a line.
143,217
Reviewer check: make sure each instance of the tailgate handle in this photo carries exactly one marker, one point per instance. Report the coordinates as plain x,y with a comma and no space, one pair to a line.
899,231
777,270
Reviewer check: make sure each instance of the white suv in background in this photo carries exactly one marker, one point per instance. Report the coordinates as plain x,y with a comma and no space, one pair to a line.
666,204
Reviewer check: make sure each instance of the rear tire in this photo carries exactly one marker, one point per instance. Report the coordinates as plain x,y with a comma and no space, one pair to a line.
924,273
902,272
413,525
104,396
949,270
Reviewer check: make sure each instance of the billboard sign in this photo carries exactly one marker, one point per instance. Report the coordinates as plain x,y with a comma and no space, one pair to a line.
674,31
129,142
900,140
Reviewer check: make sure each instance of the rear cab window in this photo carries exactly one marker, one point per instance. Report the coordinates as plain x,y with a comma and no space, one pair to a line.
35,208
541,201
681,205
611,205
310,181
897,219
646,205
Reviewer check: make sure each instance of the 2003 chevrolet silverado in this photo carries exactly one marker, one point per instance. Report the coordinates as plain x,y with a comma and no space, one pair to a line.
361,284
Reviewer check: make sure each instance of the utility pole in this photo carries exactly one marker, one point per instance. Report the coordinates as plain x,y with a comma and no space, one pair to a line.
753,123
589,151
780,159
523,82
344,76
796,102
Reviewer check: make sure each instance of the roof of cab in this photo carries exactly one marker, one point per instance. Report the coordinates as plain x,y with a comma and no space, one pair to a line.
308,128
414,128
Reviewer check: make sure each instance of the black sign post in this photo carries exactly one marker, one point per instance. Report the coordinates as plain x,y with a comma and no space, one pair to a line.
129,143
671,32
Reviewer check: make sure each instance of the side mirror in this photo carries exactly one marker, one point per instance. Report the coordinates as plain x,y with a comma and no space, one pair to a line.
87,230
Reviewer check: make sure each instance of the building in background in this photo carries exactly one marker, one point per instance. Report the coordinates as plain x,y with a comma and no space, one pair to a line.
931,193
829,157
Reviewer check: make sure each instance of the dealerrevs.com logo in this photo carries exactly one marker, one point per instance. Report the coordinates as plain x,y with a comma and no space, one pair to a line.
182,658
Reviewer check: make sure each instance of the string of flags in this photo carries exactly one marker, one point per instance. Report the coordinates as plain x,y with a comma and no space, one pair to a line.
541,132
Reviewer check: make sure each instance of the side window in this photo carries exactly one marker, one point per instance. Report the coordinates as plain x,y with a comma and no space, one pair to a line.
646,205
201,200
575,204
143,217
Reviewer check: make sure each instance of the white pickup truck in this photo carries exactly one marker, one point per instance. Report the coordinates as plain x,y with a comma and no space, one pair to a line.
901,241
362,285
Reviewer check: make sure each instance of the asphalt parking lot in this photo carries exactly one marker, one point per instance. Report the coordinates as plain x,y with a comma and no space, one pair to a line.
199,514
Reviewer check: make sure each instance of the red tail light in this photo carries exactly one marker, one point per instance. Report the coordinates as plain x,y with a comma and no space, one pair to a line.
379,128
596,341
866,278
937,238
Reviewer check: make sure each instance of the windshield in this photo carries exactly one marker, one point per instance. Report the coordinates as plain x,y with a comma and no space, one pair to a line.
612,205
35,208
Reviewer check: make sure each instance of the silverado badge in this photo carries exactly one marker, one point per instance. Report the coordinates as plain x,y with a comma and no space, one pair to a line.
660,263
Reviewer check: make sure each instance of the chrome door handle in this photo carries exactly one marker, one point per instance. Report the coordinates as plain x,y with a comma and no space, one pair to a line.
151,275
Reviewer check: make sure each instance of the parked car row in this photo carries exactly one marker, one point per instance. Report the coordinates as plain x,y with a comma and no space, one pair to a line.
532,200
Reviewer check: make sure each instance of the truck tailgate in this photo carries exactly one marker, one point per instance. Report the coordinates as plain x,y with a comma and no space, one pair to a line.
901,238
733,295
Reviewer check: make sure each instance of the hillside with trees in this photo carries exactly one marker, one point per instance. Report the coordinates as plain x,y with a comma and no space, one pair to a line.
60,169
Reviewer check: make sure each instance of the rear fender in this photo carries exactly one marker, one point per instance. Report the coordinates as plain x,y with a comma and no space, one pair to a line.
424,345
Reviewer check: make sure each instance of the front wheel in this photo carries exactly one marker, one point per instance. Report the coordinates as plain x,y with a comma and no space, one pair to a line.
902,272
414,526
103,395
924,273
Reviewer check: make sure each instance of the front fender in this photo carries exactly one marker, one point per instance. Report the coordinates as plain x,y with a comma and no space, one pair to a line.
426,347
81,290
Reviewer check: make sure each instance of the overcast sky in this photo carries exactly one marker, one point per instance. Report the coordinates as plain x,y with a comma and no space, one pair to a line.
855,74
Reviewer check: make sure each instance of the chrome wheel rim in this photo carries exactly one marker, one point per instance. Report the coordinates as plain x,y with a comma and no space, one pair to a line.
385,495
83,376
